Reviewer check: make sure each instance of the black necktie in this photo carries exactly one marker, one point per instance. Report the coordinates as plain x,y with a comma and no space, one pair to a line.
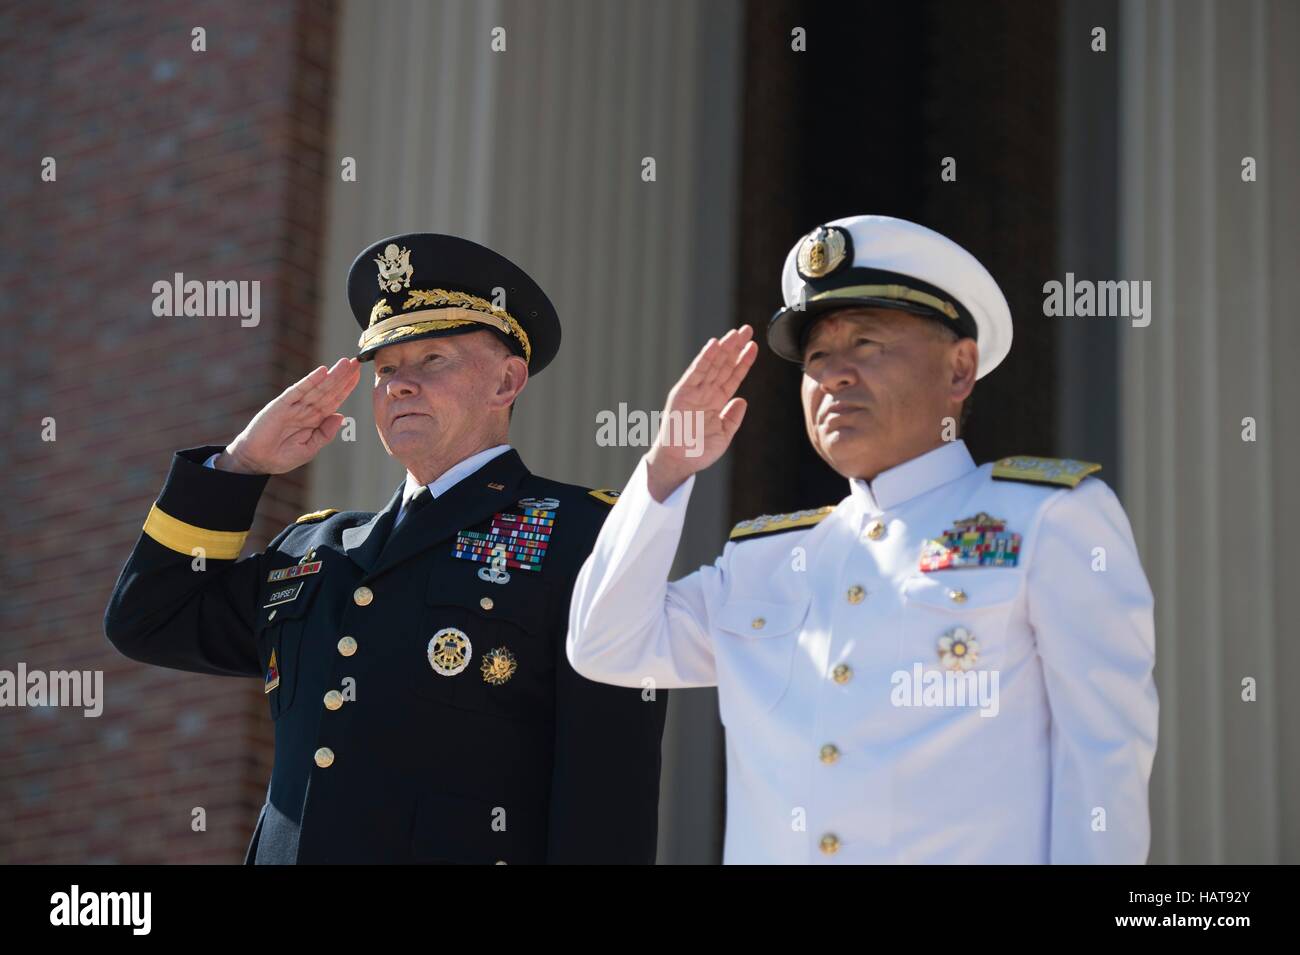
416,502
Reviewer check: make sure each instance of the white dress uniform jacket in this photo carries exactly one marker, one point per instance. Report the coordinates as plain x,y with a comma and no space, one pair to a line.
832,649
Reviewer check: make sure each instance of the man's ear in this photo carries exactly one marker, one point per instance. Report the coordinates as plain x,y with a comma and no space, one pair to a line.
964,359
514,376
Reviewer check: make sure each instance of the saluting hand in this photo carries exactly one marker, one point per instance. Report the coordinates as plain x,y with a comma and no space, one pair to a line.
289,431
705,391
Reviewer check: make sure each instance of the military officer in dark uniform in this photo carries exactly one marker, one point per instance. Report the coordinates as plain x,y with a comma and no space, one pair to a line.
413,659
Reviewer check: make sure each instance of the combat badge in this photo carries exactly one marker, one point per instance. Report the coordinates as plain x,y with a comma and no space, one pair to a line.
499,665
449,651
979,541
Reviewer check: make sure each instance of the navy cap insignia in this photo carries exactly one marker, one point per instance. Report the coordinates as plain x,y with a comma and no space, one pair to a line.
449,651
499,665
958,649
395,269
822,251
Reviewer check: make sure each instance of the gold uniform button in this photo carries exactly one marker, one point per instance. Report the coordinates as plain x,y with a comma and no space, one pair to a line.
362,596
830,753
856,593
347,646
830,844
758,623
333,700
486,603
324,757
957,596
876,530
842,673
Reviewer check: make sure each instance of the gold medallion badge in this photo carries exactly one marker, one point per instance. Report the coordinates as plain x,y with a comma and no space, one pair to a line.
499,665
449,651
958,649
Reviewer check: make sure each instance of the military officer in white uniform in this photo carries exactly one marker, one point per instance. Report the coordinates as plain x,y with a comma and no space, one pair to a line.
954,663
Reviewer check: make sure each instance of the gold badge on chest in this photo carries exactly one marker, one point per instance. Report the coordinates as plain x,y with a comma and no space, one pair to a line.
499,665
450,651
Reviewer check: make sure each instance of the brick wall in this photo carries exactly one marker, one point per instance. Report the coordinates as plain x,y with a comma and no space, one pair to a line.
168,160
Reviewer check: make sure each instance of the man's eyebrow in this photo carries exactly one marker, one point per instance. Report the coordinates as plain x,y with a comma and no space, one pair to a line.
864,323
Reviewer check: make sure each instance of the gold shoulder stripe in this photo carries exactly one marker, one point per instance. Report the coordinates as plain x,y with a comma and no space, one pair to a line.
1063,471
607,494
770,523
184,538
317,515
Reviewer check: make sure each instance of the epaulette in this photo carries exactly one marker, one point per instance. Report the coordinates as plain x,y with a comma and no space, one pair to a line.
1063,471
317,515
607,494
773,523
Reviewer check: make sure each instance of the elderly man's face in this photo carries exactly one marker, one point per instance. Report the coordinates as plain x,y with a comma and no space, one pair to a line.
441,395
877,385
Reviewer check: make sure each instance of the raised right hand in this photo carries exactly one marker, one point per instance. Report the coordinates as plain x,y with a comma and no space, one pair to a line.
707,390
289,431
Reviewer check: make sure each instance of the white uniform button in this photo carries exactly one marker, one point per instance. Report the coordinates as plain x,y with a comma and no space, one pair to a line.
362,596
324,757
830,844
856,593
830,753
758,623
842,673
333,700
876,530
347,646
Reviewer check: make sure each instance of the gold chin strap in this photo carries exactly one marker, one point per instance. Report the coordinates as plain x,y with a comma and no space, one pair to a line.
901,292
418,322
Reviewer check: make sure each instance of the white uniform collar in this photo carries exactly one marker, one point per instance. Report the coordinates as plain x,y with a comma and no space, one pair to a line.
454,474
913,478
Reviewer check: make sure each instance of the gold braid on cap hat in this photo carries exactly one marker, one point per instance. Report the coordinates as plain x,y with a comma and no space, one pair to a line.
454,308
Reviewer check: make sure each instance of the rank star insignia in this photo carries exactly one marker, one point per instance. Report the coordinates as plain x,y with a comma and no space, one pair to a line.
394,269
499,665
449,651
958,649
979,541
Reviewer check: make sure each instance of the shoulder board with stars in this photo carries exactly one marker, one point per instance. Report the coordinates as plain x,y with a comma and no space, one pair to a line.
317,515
1063,471
774,523
607,494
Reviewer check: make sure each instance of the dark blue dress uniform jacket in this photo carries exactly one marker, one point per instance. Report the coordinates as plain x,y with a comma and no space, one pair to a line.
545,767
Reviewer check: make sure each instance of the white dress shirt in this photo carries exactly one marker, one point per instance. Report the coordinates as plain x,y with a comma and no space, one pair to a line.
821,640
